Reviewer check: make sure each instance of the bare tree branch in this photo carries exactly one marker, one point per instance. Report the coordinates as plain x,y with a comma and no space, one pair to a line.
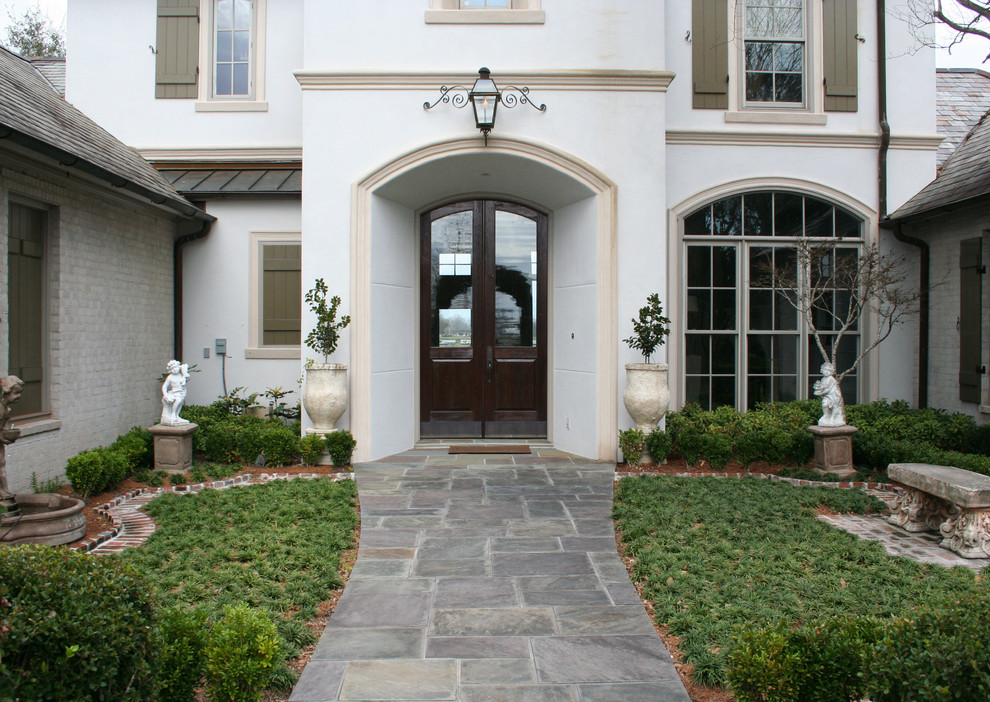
963,17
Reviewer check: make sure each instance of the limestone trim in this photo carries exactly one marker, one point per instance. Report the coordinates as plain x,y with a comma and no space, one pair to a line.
607,305
30,427
790,139
869,369
595,81
232,106
485,17
157,154
769,117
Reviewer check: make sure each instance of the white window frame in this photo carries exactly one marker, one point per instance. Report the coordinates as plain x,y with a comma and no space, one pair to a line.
256,349
255,101
811,110
519,12
806,370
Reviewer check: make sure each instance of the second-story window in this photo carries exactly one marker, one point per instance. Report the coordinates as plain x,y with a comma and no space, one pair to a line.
233,48
501,4
774,48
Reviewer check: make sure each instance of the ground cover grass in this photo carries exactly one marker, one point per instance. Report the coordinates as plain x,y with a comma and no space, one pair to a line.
715,554
275,546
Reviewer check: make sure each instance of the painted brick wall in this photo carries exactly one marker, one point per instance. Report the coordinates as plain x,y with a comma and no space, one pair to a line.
110,315
944,235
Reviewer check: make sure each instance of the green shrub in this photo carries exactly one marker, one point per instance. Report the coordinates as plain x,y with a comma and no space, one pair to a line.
802,446
763,667
219,471
936,653
157,478
197,474
659,443
778,444
142,475
749,447
340,444
219,441
45,486
137,446
177,479
249,440
183,640
631,443
279,445
242,651
75,627
824,662
311,448
690,444
96,470
716,446
977,440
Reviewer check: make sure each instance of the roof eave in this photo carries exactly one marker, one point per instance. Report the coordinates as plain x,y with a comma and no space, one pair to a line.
70,160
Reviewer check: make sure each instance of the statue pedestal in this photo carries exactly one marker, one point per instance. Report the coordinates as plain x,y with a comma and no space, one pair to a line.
173,446
834,450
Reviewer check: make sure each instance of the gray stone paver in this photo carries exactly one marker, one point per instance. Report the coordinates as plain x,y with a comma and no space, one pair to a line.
488,577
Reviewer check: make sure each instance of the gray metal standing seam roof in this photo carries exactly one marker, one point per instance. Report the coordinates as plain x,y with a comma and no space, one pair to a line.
224,182
33,115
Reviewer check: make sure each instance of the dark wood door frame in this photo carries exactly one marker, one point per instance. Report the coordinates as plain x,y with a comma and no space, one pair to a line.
486,390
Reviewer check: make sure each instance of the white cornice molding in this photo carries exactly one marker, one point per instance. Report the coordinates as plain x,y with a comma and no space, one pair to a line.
842,140
223,155
610,81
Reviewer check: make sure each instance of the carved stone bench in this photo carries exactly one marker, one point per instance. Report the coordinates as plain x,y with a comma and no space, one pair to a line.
952,501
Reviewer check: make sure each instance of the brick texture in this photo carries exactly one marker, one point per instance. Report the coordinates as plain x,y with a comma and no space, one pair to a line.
109,326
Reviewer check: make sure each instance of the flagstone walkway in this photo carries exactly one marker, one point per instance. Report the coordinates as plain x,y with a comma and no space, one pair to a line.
483,578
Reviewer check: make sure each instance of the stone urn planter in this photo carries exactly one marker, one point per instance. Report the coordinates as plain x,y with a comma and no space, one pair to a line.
325,395
646,396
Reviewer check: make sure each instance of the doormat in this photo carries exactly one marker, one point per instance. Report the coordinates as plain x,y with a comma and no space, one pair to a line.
496,448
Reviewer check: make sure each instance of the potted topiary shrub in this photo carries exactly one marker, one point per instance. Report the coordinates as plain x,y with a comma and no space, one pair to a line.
646,396
325,394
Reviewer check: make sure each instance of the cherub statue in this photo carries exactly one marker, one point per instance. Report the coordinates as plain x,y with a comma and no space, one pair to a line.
174,393
833,408
11,387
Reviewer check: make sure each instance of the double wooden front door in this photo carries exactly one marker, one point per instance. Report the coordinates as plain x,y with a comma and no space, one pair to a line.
483,357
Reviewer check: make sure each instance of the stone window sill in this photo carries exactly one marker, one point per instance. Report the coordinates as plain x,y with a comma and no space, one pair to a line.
760,117
31,427
485,17
274,352
232,106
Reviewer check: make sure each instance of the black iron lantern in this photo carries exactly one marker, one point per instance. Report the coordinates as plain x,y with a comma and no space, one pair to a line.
485,97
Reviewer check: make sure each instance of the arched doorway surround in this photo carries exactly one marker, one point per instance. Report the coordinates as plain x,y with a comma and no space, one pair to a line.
384,285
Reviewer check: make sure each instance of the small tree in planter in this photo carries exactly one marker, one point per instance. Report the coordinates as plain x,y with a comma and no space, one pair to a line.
325,396
646,397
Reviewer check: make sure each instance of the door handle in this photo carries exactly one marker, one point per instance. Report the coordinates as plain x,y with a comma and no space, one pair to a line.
491,361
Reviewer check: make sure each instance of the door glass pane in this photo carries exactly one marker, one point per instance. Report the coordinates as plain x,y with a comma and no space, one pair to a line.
515,280
450,280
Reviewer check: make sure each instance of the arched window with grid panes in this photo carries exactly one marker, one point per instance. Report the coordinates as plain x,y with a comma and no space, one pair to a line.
744,342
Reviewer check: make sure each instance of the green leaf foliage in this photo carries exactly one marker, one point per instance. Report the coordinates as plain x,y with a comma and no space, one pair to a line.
96,470
326,334
184,632
717,554
34,34
650,328
75,627
659,444
631,443
241,654
275,546
138,447
340,445
311,448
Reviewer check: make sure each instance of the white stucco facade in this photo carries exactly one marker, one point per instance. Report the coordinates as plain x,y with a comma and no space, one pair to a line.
616,162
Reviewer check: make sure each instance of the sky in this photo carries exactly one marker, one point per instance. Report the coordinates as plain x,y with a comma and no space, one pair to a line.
969,54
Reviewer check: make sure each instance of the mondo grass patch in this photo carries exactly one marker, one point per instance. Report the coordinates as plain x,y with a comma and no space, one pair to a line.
275,546
716,554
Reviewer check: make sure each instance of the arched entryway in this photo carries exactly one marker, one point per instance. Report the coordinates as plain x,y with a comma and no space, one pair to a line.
483,320
386,348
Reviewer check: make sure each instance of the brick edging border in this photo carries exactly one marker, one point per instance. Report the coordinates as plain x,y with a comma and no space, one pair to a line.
117,525
886,487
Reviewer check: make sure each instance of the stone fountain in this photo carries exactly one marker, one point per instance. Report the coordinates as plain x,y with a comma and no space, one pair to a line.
28,518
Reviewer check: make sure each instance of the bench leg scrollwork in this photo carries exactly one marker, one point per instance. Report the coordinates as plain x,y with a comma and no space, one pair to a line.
916,511
968,533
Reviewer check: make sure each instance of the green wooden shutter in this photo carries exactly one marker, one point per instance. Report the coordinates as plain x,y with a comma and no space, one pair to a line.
710,54
839,54
177,64
282,295
971,272
25,304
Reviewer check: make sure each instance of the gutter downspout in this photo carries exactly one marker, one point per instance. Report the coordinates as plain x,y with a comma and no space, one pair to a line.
197,232
884,220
